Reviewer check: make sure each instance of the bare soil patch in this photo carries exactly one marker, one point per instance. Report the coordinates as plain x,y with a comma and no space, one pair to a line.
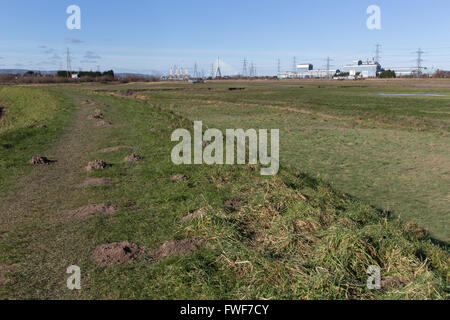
179,247
110,254
40,160
116,148
97,165
96,182
132,158
103,124
179,177
89,211
233,205
88,101
195,214
95,116
40,126
394,283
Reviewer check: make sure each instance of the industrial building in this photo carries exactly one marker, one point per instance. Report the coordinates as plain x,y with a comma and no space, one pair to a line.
358,69
407,71
363,69
306,71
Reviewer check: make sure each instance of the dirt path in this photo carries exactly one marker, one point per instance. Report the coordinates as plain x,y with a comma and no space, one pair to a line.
30,220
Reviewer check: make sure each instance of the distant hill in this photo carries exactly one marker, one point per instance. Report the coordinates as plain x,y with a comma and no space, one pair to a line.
125,74
119,75
22,71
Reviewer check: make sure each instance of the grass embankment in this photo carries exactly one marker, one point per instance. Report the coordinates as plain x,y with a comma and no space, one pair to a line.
282,237
33,119
392,152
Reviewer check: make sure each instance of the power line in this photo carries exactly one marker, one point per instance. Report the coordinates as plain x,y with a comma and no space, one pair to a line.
328,66
419,61
195,70
378,52
69,67
244,68
218,73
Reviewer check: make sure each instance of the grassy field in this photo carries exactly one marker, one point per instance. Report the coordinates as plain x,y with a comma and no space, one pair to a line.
390,151
289,236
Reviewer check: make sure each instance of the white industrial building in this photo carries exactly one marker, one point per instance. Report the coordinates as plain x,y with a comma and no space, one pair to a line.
306,71
362,69
406,71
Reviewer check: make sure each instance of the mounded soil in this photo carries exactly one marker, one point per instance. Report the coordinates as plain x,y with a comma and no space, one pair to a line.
179,177
40,160
97,165
103,124
233,205
195,214
95,116
132,158
110,254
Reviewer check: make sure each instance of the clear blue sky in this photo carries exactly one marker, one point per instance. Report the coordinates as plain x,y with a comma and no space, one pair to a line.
141,36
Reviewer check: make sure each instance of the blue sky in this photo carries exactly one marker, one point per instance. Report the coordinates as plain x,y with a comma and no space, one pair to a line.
141,36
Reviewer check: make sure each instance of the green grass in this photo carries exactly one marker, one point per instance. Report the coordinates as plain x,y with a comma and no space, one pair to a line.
392,152
19,139
294,238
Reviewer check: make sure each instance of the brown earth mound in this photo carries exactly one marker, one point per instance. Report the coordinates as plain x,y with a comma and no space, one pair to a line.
97,165
111,254
179,177
116,148
95,116
40,126
98,111
39,160
195,214
233,205
395,283
90,211
179,247
103,124
132,158
96,182
88,101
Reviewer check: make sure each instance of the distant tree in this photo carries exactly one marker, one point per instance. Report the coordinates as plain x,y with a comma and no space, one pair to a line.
63,74
108,73
441,74
387,74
